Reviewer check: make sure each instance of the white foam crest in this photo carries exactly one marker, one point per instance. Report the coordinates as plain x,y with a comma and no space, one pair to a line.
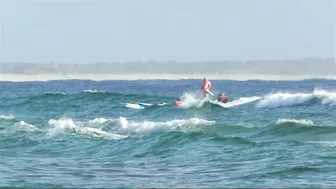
103,123
6,117
92,91
62,123
141,126
27,126
301,121
284,99
54,93
327,143
97,121
191,100
95,132
67,125
123,122
326,96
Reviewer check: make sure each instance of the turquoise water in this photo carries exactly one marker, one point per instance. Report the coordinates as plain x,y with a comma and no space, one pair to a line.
78,133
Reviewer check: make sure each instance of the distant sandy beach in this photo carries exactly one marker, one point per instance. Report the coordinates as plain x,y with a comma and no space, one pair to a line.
100,77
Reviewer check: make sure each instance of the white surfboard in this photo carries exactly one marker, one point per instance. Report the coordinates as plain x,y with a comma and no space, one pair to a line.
142,105
137,106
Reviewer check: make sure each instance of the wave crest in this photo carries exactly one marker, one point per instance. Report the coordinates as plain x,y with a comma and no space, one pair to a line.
276,100
326,96
26,126
284,99
67,125
7,117
172,124
299,122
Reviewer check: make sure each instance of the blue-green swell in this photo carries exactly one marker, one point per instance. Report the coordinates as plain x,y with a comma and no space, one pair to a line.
78,133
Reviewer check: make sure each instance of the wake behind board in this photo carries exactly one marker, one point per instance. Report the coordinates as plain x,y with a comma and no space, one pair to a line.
238,102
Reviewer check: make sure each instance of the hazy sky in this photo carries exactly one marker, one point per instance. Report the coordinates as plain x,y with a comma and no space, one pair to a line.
84,31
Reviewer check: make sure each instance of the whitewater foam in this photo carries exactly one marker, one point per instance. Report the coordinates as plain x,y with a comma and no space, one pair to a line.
292,99
306,122
142,126
64,125
6,117
192,100
326,96
121,126
54,93
27,127
284,99
97,121
92,91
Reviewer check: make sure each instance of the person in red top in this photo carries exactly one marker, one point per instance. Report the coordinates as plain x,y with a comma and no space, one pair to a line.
206,87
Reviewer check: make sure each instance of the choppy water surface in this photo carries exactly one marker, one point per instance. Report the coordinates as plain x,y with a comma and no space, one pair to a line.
79,133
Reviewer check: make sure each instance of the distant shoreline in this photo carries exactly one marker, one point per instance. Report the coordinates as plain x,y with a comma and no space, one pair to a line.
130,77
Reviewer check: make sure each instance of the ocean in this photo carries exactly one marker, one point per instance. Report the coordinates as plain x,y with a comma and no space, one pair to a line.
80,134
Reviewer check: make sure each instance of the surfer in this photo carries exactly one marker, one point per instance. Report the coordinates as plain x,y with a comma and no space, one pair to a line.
178,101
206,87
222,98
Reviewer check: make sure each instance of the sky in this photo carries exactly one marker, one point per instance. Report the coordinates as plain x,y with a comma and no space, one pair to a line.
88,31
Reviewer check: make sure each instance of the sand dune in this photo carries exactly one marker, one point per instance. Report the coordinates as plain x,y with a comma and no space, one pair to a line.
234,70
